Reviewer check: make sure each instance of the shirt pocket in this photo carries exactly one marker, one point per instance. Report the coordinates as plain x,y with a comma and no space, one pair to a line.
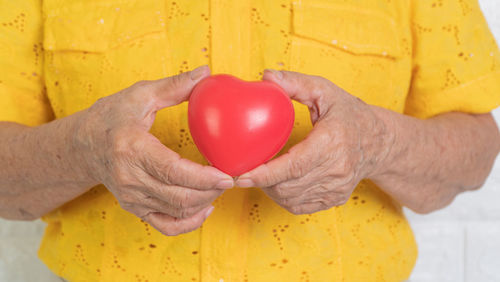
356,48
99,26
96,48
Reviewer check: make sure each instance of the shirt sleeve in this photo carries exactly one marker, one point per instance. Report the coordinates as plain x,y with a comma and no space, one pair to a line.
456,62
23,97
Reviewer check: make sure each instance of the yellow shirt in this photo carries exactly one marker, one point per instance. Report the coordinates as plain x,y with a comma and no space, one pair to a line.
416,57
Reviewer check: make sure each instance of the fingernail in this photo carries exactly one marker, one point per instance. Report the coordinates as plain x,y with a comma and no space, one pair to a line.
245,183
225,184
209,211
198,72
277,74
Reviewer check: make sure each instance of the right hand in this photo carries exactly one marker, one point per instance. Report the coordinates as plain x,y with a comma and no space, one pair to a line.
172,194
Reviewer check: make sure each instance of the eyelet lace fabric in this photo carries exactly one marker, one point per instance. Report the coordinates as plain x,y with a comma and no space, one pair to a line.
420,58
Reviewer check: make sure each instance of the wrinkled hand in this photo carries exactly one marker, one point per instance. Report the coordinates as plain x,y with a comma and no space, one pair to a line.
345,145
149,180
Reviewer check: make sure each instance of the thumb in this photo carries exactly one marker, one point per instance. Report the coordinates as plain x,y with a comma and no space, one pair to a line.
176,89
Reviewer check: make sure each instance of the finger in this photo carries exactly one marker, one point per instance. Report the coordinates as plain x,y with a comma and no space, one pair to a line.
162,207
168,167
172,226
306,89
173,90
182,197
283,195
316,182
308,208
145,202
155,204
175,196
299,194
329,199
305,185
298,162
288,202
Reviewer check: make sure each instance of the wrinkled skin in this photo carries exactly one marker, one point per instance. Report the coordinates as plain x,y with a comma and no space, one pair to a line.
149,180
345,145
421,164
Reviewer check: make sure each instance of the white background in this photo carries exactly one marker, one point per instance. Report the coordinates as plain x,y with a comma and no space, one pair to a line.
458,243
462,241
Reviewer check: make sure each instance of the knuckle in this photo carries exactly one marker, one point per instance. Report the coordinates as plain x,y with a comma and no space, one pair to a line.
187,212
281,186
344,190
324,137
319,86
345,170
288,190
323,188
168,172
102,105
121,179
180,213
324,205
127,198
141,84
297,167
170,232
126,202
339,200
328,180
141,93
136,145
296,210
284,202
342,201
330,199
177,81
279,192
182,198
185,228
266,179
205,198
120,142
184,213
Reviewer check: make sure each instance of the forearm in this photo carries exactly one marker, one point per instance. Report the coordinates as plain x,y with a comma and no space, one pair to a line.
40,168
431,161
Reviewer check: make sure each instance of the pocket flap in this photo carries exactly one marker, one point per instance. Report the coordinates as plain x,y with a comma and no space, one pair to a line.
355,30
97,26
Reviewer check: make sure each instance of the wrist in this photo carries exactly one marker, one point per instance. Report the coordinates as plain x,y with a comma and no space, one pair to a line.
388,145
79,149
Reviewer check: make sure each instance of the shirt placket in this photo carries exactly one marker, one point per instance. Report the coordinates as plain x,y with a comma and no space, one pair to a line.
230,37
224,235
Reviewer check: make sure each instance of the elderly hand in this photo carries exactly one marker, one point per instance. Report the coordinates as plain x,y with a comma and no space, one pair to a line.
345,145
149,180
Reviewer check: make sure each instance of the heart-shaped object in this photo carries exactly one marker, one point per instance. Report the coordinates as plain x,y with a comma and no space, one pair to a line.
239,125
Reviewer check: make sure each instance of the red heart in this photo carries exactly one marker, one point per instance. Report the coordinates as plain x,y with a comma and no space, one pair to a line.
238,125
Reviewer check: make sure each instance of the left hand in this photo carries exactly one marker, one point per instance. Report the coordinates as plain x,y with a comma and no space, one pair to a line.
347,142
